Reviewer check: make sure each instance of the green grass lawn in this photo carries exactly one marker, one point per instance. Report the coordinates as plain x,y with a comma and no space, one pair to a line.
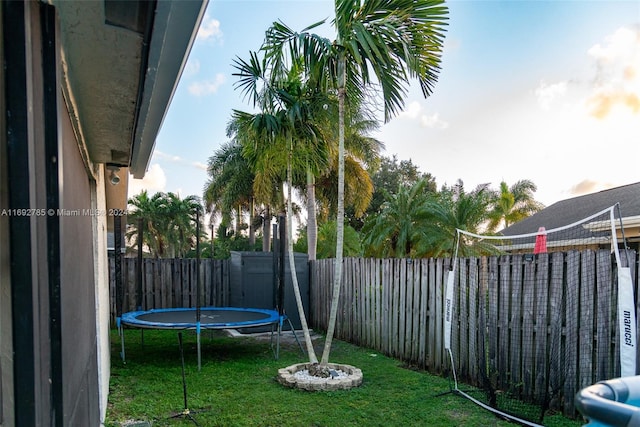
237,387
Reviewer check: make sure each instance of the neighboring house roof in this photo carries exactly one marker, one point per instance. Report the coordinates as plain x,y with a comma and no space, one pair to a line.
568,211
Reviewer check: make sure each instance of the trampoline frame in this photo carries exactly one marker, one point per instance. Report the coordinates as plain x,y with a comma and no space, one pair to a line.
132,318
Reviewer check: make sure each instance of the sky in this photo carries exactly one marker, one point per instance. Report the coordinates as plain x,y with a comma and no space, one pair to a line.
547,91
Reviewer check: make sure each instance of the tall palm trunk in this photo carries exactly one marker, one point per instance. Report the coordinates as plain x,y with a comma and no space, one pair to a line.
238,220
252,228
337,277
312,223
266,230
292,266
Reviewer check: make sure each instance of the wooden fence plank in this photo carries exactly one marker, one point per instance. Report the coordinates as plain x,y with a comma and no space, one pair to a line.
402,308
604,325
461,358
378,301
424,307
363,306
395,308
541,329
416,325
505,329
571,327
474,313
586,319
386,305
439,315
515,351
556,315
528,299
433,315
481,342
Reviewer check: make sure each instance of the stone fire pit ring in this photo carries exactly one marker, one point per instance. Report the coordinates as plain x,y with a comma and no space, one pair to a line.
353,378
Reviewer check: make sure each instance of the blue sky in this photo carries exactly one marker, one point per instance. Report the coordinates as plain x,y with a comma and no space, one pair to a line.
541,90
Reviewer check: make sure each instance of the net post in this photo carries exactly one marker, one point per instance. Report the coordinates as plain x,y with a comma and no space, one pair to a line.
139,266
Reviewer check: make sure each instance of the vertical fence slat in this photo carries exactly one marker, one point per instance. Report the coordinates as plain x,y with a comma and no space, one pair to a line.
378,299
604,324
474,313
572,322
433,314
416,325
586,316
481,342
528,299
424,314
439,316
515,351
556,315
541,330
462,276
386,304
503,322
402,308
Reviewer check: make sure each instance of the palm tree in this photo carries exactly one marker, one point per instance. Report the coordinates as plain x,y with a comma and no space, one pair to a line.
394,231
169,227
397,40
362,155
182,214
287,124
450,209
229,190
513,204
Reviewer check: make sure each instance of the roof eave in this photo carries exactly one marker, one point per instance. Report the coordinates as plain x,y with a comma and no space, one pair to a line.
168,52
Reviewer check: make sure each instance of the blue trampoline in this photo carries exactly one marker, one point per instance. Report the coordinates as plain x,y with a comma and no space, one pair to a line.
204,318
198,318
210,318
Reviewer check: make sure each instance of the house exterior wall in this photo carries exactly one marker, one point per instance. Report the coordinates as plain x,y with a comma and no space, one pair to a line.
78,287
101,280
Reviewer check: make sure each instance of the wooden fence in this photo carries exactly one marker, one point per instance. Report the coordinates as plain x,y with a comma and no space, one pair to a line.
550,324
170,283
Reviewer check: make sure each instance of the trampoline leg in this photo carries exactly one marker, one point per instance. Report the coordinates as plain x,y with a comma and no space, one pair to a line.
293,331
273,350
198,330
199,354
121,333
278,340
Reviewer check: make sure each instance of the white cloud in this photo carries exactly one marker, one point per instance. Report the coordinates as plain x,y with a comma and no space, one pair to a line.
588,186
170,157
192,68
620,44
200,165
546,94
210,29
154,181
617,82
207,87
179,160
414,111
